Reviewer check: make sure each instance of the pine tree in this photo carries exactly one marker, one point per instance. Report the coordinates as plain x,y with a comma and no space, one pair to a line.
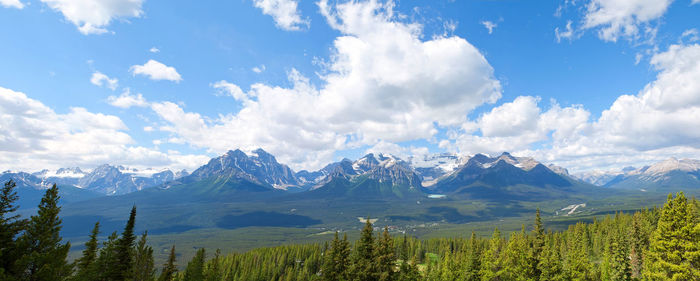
86,264
550,264
44,257
213,273
335,263
169,268
616,262
518,259
492,261
10,226
124,250
578,264
674,250
409,271
143,266
385,257
107,257
537,245
639,241
473,260
195,268
363,268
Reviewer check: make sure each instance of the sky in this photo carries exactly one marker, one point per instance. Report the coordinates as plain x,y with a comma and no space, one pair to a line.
583,84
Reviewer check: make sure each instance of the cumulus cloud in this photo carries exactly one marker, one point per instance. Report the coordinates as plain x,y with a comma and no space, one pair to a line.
284,12
624,18
382,83
37,137
100,79
156,71
154,50
93,16
656,123
12,4
489,25
127,100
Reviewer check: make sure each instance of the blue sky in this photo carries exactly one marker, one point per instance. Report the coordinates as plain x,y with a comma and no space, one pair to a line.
584,84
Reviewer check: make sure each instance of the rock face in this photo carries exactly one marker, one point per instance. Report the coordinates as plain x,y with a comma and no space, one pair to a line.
372,176
260,168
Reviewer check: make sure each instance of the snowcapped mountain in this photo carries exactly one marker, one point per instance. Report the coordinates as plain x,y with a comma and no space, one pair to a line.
671,173
105,179
505,175
259,168
375,176
433,166
385,169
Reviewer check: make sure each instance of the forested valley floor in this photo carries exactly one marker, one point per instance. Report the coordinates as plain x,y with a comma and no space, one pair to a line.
652,244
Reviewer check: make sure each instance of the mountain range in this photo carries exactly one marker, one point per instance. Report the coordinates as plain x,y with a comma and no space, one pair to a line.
391,176
667,175
240,189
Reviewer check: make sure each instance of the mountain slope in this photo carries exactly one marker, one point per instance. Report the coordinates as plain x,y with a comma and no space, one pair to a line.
668,175
507,177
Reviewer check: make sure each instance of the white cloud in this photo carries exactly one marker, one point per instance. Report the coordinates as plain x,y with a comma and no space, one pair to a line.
12,4
489,25
284,12
258,69
93,16
624,18
127,100
657,123
100,79
690,35
382,83
154,50
695,2
36,137
230,89
156,71
566,34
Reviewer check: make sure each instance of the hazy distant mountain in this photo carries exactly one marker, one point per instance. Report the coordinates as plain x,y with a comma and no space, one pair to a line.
105,179
671,174
31,188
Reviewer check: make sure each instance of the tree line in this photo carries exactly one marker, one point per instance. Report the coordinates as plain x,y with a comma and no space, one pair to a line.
651,244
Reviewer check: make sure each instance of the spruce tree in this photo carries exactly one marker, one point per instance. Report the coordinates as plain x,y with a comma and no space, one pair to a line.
86,269
169,268
550,265
195,268
492,260
578,264
409,271
10,226
517,258
363,268
385,257
213,272
616,263
473,259
674,250
335,261
107,257
537,244
44,256
124,250
143,268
